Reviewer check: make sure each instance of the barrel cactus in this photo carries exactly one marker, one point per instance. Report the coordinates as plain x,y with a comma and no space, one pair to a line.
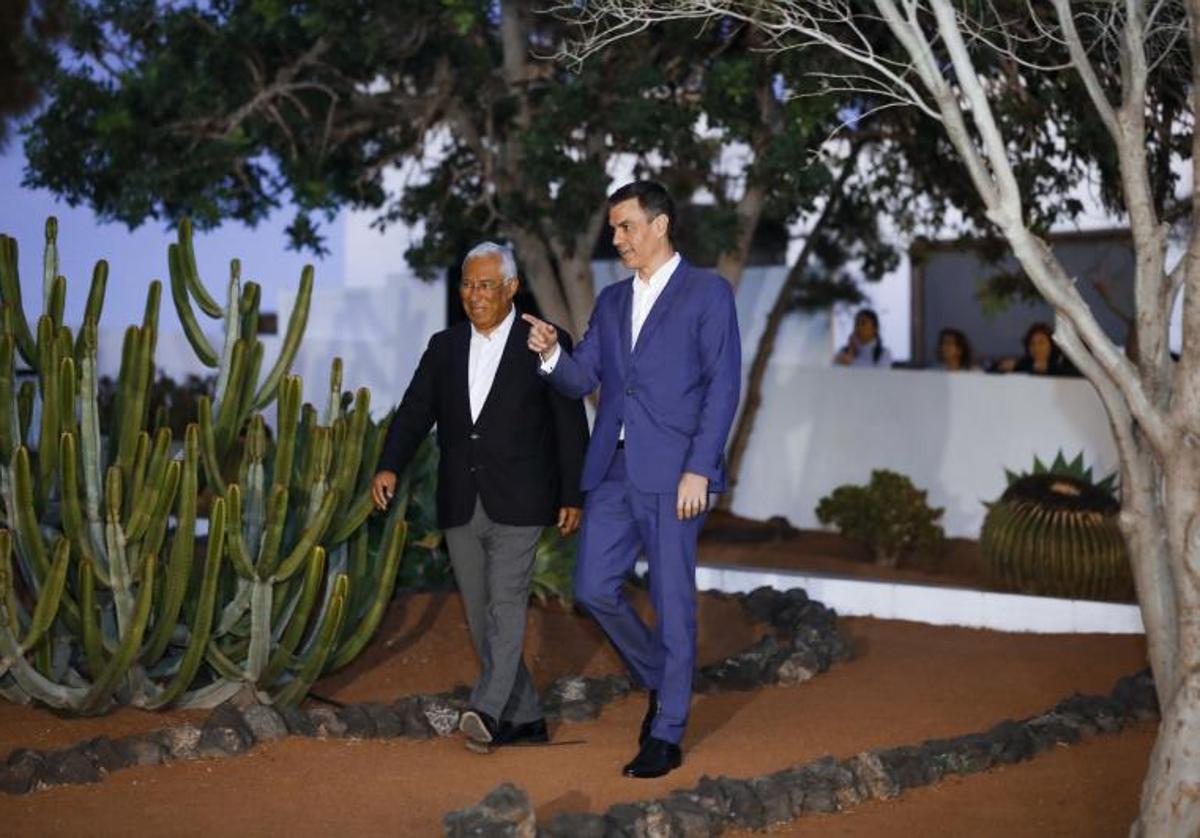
110,589
1054,532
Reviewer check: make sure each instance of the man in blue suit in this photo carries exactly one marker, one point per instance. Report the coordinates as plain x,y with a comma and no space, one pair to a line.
663,347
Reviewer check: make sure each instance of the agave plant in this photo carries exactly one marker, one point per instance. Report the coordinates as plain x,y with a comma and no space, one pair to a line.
1055,532
107,593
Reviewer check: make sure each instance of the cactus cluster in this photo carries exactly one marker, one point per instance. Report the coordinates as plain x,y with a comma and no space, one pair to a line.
1054,531
110,589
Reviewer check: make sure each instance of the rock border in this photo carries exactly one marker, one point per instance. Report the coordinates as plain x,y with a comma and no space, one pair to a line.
823,785
805,642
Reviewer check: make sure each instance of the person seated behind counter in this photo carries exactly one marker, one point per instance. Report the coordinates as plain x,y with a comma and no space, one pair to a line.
954,351
865,347
1041,356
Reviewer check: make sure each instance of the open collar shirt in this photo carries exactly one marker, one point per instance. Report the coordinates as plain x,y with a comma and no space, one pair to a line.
484,360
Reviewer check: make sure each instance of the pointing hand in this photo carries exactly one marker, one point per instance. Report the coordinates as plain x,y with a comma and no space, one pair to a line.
542,336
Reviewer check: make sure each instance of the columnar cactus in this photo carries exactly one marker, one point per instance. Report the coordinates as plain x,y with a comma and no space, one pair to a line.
107,594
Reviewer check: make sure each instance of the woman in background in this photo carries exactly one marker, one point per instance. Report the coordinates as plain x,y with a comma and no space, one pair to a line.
865,347
954,351
1041,356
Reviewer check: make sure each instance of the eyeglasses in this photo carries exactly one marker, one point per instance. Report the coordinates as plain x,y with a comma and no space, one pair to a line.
487,286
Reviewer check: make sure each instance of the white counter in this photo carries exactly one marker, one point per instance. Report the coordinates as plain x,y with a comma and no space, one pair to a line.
953,434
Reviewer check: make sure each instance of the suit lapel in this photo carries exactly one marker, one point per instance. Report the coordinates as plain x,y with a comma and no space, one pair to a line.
661,306
510,358
460,360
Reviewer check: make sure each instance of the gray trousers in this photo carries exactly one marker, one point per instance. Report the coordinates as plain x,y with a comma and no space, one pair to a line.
493,565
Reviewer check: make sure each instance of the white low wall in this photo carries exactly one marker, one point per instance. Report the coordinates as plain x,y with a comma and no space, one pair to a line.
935,605
952,434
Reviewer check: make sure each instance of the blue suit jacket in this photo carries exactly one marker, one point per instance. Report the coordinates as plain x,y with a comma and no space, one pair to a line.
676,392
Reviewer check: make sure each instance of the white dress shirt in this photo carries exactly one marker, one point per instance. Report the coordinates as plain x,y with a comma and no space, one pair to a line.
646,292
484,359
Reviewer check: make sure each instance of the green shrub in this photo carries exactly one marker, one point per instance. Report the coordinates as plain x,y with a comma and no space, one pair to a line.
889,515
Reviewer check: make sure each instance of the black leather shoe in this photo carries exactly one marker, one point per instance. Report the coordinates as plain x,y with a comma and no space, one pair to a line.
657,758
648,719
478,726
529,733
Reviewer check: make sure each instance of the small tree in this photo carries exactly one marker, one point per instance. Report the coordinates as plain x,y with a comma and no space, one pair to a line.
1122,55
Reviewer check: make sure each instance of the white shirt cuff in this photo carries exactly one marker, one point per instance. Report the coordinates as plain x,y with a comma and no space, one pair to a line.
549,364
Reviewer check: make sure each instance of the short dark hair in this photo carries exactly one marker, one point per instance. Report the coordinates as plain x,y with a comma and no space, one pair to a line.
652,197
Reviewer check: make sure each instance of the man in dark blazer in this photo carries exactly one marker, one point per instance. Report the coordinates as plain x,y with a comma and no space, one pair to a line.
511,455
663,347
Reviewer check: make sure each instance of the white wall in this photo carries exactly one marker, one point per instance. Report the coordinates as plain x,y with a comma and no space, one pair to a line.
952,434
378,332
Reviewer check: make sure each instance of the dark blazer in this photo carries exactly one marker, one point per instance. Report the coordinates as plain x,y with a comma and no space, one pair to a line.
522,458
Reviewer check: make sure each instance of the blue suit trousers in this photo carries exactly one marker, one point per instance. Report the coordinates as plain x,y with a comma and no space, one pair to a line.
621,523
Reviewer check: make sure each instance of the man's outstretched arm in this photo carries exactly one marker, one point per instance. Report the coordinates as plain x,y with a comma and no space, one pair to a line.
574,374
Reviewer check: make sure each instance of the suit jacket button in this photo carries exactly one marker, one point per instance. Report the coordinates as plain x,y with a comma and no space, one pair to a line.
629,391
473,436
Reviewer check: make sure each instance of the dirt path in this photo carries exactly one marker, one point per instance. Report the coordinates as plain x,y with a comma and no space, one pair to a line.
909,683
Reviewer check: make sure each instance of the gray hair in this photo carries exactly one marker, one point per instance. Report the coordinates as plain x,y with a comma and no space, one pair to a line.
508,264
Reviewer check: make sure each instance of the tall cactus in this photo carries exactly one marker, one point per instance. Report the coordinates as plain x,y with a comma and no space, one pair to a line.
107,592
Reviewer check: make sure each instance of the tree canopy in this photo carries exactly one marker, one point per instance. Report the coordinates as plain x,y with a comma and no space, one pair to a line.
232,109
27,30
235,108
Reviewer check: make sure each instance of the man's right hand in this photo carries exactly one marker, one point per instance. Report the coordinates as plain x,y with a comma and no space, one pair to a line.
542,336
382,489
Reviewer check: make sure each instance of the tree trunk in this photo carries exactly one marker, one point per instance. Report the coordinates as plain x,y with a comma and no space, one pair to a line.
752,398
539,272
1171,791
731,264
575,258
579,287
1144,524
1172,787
